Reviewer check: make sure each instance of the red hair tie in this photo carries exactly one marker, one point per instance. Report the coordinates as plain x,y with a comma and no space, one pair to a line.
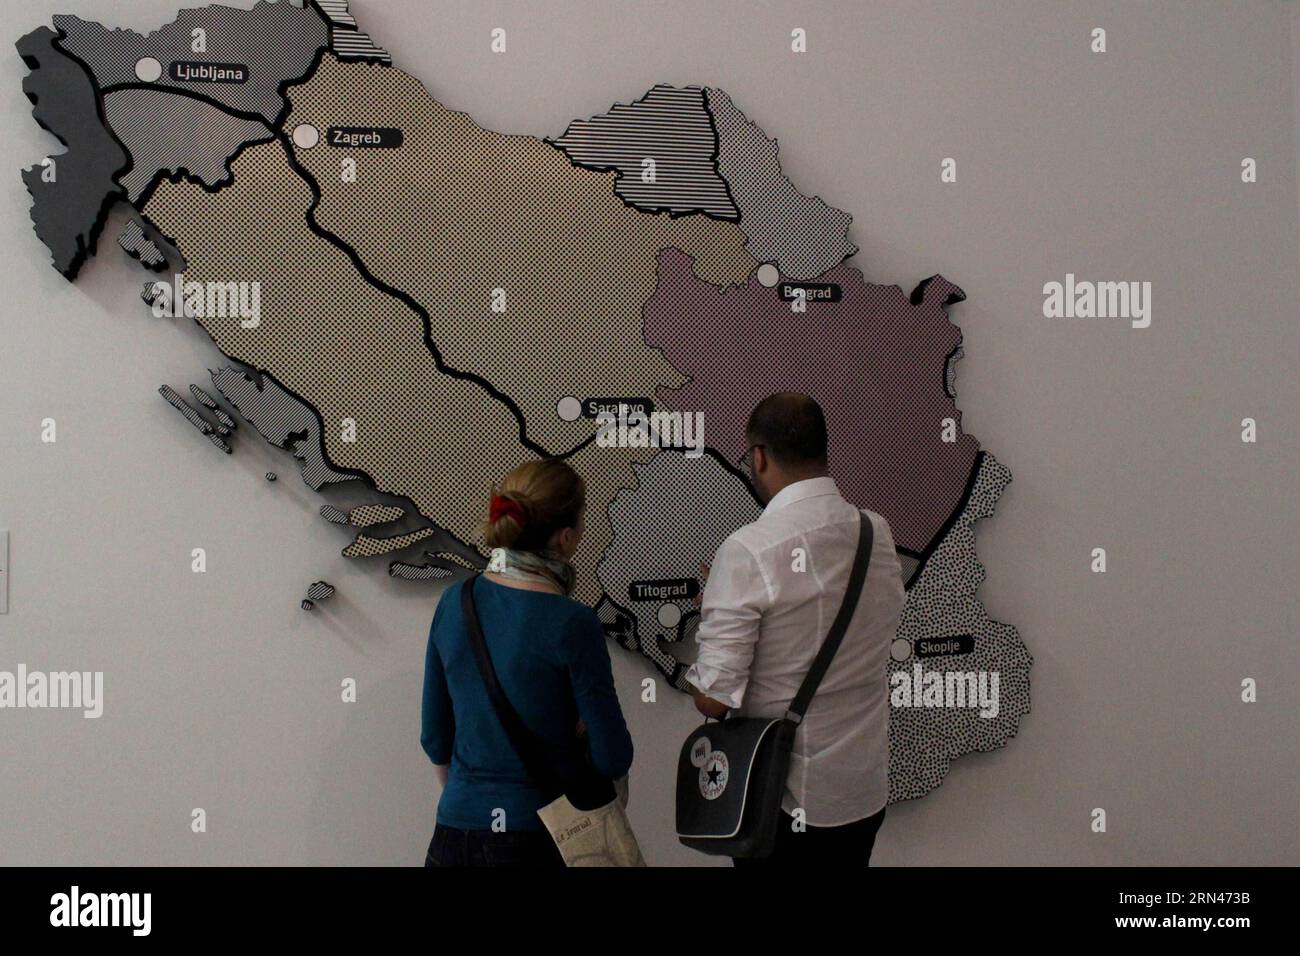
506,506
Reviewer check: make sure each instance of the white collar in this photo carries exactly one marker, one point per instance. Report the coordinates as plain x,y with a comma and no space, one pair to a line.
799,490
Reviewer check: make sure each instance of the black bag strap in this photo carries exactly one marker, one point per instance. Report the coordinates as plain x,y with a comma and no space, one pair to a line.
822,663
525,742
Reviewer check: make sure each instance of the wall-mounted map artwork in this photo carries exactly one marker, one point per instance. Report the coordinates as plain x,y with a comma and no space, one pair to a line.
406,298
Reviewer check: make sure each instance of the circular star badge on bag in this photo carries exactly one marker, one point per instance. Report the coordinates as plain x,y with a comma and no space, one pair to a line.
713,775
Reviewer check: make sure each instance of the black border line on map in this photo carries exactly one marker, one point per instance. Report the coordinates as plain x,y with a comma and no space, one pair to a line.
619,174
717,159
776,156
278,134
407,300
924,556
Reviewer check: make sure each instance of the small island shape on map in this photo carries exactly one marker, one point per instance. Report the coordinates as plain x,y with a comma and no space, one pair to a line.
408,300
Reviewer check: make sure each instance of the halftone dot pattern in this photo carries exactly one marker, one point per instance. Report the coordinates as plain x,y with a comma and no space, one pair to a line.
801,234
366,516
873,360
621,626
673,128
353,352
923,741
366,546
661,532
459,211
607,471
347,349
167,132
276,41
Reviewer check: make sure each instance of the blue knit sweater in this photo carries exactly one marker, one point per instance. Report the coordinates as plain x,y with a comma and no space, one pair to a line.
550,656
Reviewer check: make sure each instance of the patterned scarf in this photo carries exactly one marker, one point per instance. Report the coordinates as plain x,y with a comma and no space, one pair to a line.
533,566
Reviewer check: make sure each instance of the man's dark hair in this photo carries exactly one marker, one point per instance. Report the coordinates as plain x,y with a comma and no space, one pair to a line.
792,427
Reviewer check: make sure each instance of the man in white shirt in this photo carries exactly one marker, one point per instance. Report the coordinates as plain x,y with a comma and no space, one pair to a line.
772,591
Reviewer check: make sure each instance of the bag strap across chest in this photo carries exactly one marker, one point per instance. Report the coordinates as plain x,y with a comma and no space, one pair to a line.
835,636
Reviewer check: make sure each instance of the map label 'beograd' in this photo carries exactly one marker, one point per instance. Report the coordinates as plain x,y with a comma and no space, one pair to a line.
811,291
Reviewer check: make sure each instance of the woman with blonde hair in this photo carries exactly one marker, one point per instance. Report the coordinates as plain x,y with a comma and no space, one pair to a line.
550,659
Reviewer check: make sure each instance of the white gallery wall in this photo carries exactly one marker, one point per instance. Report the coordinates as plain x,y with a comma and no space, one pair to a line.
222,694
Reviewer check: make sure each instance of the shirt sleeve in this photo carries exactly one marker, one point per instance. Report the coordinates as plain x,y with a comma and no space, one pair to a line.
598,708
438,724
896,594
731,614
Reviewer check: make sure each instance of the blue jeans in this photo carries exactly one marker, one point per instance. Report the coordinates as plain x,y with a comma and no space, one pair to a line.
453,847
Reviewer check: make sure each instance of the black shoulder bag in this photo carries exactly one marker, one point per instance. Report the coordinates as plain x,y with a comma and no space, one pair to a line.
731,774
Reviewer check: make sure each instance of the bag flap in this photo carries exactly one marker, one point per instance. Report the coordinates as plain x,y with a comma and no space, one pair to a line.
713,774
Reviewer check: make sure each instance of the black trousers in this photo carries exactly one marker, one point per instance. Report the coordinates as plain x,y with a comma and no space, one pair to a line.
846,846
453,847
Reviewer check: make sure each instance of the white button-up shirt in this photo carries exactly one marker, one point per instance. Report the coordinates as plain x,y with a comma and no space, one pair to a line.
773,590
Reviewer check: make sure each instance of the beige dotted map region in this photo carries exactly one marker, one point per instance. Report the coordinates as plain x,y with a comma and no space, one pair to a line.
366,516
347,349
458,211
355,353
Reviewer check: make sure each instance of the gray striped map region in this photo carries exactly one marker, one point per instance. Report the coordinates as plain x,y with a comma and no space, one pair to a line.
802,235
668,126
282,420
167,133
346,40
140,247
215,432
274,41
338,13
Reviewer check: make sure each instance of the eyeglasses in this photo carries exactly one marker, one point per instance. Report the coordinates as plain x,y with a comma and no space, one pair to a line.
747,459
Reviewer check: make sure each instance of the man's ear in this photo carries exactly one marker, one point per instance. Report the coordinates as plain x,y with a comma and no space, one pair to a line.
760,458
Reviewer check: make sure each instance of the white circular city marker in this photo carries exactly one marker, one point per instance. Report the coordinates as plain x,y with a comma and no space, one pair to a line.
768,275
569,409
900,650
148,69
305,136
670,615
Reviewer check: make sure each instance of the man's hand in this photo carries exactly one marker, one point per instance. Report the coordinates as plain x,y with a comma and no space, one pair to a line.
709,707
